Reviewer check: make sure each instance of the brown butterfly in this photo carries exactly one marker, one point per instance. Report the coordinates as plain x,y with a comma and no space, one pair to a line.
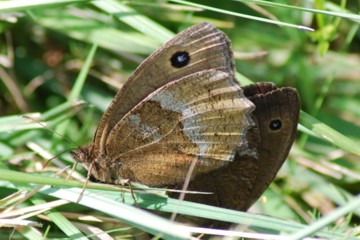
182,104
239,184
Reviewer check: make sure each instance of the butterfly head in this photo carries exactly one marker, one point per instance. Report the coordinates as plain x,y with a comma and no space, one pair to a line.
96,164
82,154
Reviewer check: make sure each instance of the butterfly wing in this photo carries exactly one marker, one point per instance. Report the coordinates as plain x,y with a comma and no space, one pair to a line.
239,184
277,116
207,48
202,116
181,104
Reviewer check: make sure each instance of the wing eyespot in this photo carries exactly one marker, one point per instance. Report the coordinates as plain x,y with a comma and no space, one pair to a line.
275,124
180,59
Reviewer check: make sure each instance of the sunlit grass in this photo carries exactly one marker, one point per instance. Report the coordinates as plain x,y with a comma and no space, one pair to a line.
54,53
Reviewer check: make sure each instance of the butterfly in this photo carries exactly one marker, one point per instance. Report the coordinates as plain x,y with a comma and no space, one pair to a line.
183,104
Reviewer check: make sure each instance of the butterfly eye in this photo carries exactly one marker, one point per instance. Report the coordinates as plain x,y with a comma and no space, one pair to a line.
180,59
275,124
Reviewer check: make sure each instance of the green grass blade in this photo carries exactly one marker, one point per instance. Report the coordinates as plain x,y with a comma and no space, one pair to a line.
80,81
243,15
136,20
12,6
312,10
132,215
329,134
323,222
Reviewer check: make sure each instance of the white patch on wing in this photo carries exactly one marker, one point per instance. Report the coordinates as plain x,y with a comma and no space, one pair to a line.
169,102
193,107
203,150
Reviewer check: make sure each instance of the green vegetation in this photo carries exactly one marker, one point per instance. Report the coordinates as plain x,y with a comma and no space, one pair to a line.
61,62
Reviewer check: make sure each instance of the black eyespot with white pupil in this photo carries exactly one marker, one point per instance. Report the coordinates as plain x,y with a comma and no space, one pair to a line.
180,59
275,124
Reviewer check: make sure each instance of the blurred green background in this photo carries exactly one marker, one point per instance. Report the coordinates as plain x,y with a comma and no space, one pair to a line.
44,46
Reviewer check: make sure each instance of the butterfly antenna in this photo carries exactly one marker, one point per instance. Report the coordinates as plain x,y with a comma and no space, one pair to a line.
49,160
49,129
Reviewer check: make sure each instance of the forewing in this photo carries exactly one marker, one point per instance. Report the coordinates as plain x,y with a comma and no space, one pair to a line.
208,48
203,117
